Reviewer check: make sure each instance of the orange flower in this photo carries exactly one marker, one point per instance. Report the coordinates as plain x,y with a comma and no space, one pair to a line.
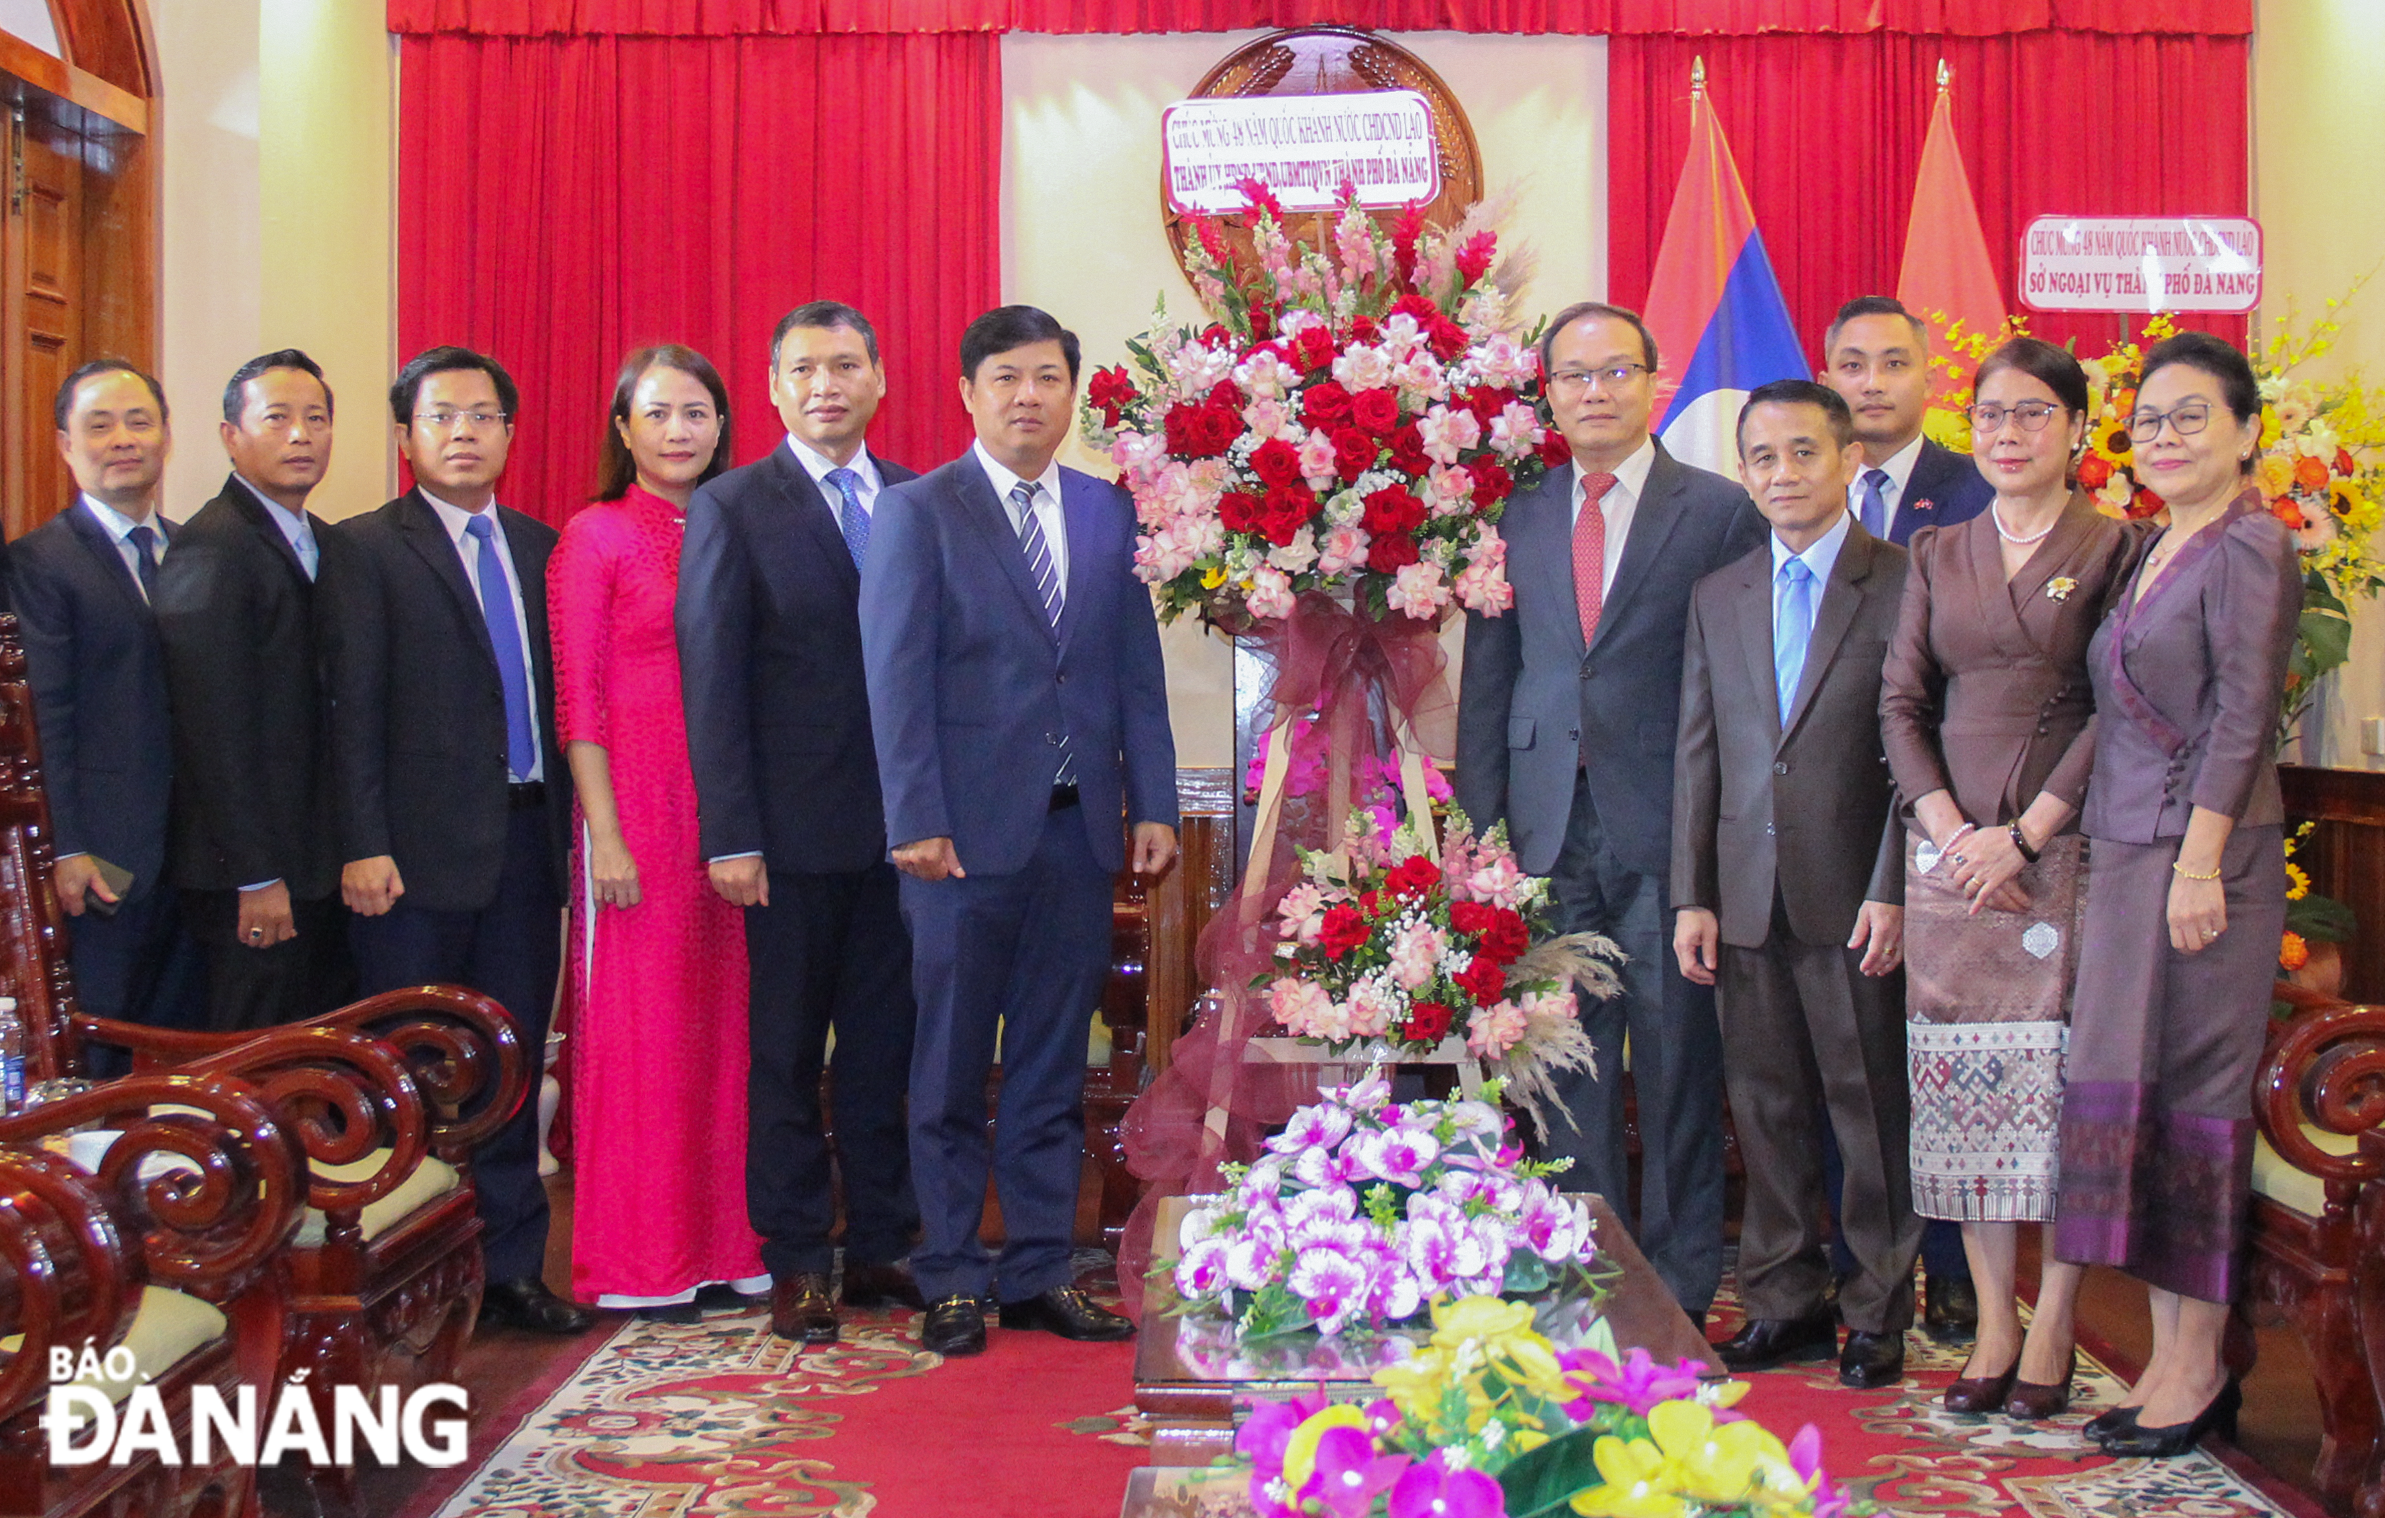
2284,509
2310,473
2293,953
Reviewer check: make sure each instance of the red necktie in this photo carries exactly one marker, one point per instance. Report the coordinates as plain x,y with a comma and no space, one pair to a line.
1590,553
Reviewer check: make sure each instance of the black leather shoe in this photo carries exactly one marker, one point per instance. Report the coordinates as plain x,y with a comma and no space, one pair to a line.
1766,1342
1068,1312
801,1309
1949,1310
1871,1359
678,1314
881,1286
954,1326
720,1296
2109,1422
2174,1439
527,1304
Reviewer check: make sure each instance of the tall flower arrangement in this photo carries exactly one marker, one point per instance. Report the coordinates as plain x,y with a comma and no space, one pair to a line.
1491,1420
1352,422
2321,471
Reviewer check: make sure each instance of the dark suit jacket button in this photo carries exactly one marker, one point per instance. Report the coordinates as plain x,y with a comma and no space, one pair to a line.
1052,739
1768,830
1780,766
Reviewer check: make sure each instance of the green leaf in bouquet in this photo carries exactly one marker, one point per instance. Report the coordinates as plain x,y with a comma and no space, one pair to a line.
1275,1311
1526,1272
1545,1480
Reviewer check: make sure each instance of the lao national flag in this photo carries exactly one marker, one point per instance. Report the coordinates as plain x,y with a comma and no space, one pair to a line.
1714,304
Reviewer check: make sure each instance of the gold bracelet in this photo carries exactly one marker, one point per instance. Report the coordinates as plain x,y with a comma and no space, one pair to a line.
2184,873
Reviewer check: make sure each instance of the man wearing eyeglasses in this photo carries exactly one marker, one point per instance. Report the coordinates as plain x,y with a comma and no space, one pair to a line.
452,795
1876,356
1566,728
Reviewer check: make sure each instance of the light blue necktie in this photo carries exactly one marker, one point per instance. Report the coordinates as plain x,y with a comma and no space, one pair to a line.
505,637
1875,504
310,555
850,517
1047,585
1792,627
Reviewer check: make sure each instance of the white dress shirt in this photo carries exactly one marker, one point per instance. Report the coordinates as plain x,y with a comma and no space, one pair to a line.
457,521
299,532
1619,505
1820,557
119,528
1047,508
1899,468
819,466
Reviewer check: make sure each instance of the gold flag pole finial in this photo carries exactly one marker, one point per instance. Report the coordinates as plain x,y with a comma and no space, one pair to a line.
1697,77
1945,76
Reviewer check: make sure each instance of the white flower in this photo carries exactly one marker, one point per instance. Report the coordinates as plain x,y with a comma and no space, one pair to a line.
1360,367
1297,555
1515,431
1197,369
1447,434
1270,592
1419,591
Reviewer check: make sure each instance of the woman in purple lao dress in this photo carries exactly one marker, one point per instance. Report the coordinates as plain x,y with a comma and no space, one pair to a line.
658,1052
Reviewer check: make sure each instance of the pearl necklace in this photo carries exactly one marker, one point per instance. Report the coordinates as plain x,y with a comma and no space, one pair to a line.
2020,542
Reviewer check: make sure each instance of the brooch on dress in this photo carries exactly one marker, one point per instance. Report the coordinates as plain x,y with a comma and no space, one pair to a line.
2059,588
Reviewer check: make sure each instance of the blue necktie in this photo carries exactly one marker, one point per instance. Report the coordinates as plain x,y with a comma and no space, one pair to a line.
854,520
1875,504
1047,585
1792,627
144,541
310,553
505,636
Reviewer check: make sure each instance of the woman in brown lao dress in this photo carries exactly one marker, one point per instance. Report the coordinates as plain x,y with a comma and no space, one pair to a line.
2188,894
1989,720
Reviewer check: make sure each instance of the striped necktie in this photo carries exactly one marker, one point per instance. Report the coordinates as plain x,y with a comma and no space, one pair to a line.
1047,585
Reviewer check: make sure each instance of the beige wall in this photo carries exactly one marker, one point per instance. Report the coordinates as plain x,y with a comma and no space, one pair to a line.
2319,191
1081,229
278,155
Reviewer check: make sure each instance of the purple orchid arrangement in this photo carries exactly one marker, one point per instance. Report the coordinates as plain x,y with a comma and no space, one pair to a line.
1362,1211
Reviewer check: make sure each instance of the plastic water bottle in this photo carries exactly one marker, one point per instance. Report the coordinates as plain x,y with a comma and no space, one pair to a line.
12,1058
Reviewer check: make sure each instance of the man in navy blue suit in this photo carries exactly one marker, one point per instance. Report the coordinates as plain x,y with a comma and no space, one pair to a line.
1876,355
1020,711
81,585
792,823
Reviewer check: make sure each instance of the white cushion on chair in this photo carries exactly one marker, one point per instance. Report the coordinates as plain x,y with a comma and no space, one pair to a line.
2288,1185
165,1327
432,1179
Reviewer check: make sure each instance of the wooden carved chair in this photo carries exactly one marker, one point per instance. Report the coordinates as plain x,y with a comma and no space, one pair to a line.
2318,1101
174,1263
388,1096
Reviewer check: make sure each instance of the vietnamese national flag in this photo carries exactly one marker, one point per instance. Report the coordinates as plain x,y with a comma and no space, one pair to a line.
1721,324
1946,265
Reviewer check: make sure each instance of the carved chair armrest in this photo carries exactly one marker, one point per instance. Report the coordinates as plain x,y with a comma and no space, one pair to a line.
74,1278
463,1051
346,1095
213,1218
2326,1068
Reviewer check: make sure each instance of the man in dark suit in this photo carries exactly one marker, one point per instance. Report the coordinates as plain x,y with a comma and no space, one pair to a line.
1788,875
452,797
1876,355
256,850
1565,729
81,584
1020,711
778,725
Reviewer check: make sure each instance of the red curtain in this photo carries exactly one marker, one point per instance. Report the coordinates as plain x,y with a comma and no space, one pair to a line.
564,200
723,18
1828,134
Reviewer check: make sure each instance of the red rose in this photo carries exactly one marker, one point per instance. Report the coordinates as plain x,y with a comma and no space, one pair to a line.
1215,335
1413,876
1483,980
1487,401
1392,509
1239,510
1364,330
1506,939
1313,349
1472,917
1446,338
2095,471
1287,510
1276,462
1422,307
1554,451
1228,396
2284,509
1378,411
1112,391
1391,553
1224,424
1369,901
1262,321
1428,1023
2343,461
1492,482
1343,931
1325,403
1354,453
1407,450
1185,430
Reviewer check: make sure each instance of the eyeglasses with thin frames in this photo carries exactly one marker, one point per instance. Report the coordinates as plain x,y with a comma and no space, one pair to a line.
1612,377
444,420
2186,419
2029,416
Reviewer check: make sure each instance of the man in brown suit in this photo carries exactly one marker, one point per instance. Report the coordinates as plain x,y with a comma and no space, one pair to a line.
1782,777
